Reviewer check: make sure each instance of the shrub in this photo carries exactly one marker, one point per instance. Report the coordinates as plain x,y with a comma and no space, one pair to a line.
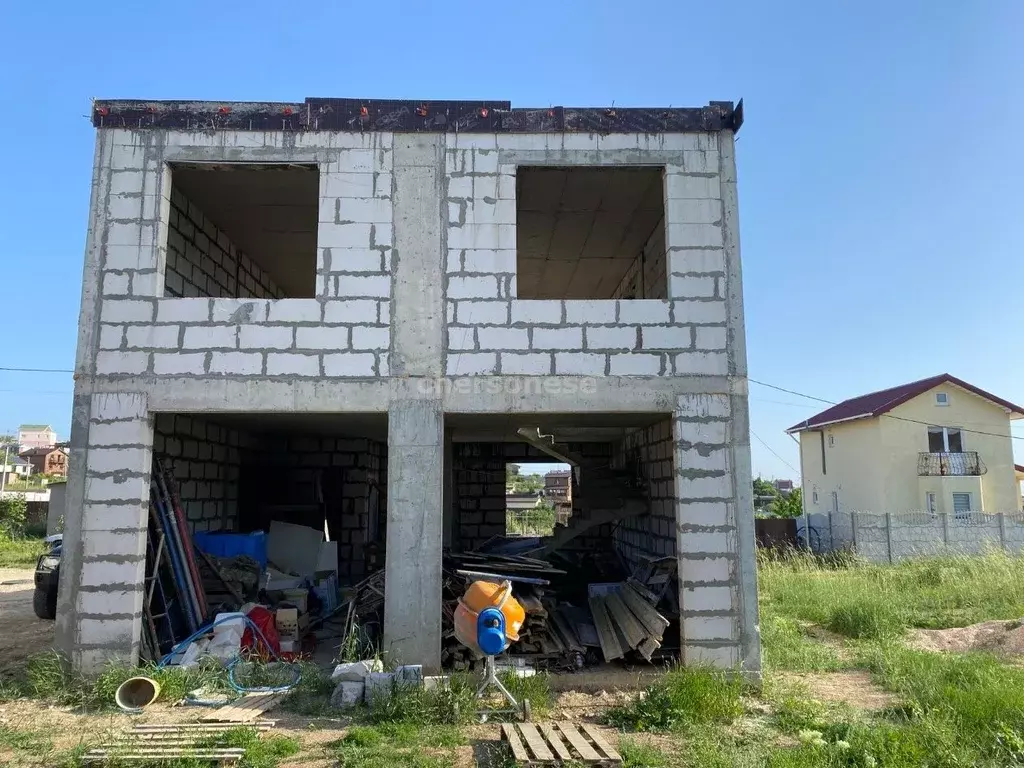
684,696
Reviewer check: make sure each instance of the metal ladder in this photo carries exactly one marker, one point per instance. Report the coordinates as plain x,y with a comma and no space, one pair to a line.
154,586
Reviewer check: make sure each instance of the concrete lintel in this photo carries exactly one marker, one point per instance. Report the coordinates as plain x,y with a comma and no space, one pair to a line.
234,154
588,157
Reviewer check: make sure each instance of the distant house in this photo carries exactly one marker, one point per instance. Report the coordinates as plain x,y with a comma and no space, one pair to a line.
558,488
35,436
16,469
47,461
938,445
518,502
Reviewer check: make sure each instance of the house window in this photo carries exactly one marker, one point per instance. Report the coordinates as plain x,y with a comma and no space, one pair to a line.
945,440
941,398
824,470
961,504
835,501
929,502
814,497
831,440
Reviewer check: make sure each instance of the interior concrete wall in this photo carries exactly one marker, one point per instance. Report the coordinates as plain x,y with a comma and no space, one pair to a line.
647,276
654,534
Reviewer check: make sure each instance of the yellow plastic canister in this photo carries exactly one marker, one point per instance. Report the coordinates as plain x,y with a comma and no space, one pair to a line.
487,594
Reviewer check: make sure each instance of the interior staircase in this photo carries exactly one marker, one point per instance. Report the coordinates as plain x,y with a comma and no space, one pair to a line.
600,494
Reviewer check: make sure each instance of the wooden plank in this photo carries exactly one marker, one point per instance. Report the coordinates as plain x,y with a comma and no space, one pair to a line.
653,622
632,629
567,633
259,725
579,742
249,707
603,745
536,742
518,749
556,742
606,633
648,647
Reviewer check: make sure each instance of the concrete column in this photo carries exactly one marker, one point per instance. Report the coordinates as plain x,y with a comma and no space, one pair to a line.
99,606
412,597
412,594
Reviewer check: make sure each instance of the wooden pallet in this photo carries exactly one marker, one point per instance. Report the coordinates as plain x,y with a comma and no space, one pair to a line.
242,710
558,743
157,742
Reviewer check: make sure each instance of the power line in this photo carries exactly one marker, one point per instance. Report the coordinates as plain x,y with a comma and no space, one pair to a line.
762,442
886,415
38,370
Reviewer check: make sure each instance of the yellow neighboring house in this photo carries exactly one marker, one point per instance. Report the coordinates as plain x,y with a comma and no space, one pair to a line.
936,445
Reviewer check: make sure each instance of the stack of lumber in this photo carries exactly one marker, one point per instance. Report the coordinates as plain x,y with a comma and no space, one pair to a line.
626,620
157,743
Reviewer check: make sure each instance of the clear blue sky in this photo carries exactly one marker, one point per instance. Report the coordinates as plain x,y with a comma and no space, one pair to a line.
879,165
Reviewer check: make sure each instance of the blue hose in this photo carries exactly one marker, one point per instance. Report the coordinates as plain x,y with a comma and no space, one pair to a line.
180,648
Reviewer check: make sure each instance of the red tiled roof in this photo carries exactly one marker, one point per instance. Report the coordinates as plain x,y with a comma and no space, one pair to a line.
883,401
40,451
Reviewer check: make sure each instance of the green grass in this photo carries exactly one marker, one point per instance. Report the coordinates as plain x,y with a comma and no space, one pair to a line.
402,744
786,645
638,755
685,696
870,601
19,552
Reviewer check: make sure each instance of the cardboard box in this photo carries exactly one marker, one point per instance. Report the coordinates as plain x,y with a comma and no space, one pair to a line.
291,625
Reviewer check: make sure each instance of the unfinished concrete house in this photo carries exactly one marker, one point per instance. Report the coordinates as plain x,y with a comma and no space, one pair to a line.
353,314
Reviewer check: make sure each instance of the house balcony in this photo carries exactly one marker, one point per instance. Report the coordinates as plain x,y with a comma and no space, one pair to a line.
964,464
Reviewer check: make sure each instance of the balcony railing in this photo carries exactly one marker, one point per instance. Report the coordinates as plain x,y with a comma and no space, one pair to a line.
964,464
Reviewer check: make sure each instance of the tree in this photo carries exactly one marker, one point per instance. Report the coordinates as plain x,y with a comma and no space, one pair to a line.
788,506
12,514
764,494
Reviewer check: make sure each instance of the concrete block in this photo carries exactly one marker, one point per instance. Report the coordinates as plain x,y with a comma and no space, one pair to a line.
239,311
115,489
211,337
356,260
699,311
710,628
378,286
666,337
611,338
106,460
679,186
265,337
692,287
644,311
132,256
108,363
706,513
126,182
503,338
116,284
481,312
536,311
708,432
694,211
349,364
355,185
462,338
694,235
706,598
527,365
126,311
697,569
114,601
352,235
384,312
172,363
590,311
351,311
701,406
120,632
153,336
369,210
370,338
470,364
325,337
473,288
634,364
111,406
147,284
111,336
711,337
709,487
238,363
704,459
104,573
284,363
701,363
183,310
557,338
699,260
294,311
133,432
483,236
109,544
722,657
579,364
489,261
705,542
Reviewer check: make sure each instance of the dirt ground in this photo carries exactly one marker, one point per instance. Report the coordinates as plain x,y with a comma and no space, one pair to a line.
22,634
1003,638
855,688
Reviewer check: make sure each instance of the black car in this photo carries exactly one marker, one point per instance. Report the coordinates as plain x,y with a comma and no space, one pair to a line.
44,600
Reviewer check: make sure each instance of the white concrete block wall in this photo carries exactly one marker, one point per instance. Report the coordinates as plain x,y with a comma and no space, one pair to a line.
678,329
